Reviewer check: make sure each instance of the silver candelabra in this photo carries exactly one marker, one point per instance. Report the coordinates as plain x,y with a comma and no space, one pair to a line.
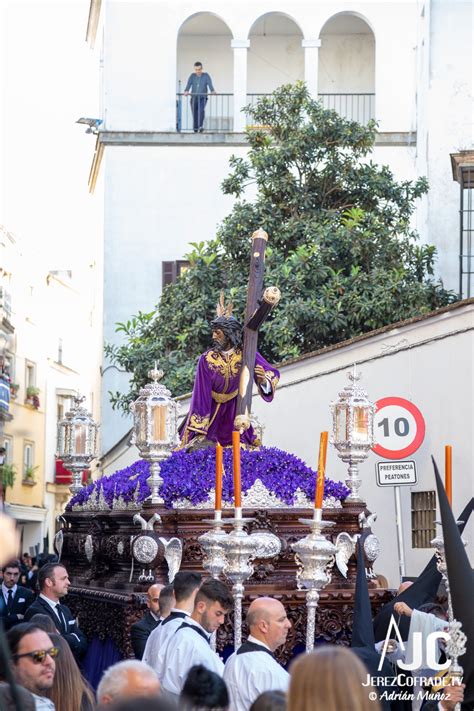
214,557
315,555
240,549
456,645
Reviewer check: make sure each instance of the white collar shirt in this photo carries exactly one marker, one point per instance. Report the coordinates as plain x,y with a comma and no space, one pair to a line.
185,649
52,604
249,674
156,643
43,704
5,591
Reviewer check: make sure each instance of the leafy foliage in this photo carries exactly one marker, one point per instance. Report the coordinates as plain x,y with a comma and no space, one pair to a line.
341,246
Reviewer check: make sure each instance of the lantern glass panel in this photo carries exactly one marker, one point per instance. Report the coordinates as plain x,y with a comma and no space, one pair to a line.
80,438
361,424
159,417
341,423
142,422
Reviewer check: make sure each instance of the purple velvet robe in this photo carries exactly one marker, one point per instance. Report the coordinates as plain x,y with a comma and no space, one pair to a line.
214,400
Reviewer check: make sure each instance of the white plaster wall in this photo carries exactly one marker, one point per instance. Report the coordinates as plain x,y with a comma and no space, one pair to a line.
449,123
158,200
140,74
418,373
273,61
347,64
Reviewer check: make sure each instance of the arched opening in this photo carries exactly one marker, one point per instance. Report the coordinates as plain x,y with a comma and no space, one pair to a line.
346,70
204,38
275,56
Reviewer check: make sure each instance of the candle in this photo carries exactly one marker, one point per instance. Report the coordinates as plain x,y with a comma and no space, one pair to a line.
218,503
236,453
448,472
323,448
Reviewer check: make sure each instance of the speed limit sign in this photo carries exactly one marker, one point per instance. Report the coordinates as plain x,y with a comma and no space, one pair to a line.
399,428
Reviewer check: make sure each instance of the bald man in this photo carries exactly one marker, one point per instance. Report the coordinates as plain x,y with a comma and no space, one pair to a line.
253,669
141,630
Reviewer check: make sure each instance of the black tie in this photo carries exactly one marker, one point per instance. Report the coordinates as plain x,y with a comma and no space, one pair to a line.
10,601
61,617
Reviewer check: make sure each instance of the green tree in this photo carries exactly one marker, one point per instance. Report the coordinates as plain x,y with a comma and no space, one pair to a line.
341,247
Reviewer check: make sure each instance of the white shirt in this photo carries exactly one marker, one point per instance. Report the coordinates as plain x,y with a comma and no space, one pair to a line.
156,643
249,674
5,592
43,704
185,649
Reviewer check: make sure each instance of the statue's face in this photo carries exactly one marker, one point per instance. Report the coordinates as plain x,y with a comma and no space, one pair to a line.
220,340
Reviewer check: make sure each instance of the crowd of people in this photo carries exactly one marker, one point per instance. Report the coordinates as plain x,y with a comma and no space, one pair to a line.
175,666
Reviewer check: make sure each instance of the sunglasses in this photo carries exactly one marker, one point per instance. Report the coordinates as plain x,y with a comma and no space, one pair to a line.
40,655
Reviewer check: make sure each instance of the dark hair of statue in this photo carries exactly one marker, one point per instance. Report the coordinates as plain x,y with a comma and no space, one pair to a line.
230,327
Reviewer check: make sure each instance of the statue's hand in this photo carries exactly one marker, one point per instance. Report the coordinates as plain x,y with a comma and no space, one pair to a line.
260,374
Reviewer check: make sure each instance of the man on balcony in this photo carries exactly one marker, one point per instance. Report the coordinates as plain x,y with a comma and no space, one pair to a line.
198,85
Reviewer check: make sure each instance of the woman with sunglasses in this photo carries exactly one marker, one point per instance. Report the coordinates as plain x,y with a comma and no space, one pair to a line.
70,691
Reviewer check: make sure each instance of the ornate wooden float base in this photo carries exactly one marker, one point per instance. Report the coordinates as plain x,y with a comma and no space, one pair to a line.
108,597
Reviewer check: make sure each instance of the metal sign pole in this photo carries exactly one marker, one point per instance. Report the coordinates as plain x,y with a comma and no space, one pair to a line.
399,522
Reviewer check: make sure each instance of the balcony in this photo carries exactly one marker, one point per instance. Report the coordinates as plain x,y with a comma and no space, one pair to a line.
219,110
64,476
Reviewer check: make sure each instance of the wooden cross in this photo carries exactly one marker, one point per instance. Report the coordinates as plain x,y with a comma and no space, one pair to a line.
257,310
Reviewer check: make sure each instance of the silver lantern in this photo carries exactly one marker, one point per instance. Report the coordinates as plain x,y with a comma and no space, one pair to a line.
155,428
77,442
353,430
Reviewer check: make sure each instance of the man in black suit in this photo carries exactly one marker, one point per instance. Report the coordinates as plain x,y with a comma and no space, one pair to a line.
53,582
15,599
141,630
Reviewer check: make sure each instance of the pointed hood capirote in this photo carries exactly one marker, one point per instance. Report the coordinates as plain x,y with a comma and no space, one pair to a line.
423,590
362,629
461,585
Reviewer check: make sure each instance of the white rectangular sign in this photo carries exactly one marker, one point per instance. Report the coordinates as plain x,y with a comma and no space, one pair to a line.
396,473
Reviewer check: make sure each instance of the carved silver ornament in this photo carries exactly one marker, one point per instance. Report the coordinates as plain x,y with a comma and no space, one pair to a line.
145,549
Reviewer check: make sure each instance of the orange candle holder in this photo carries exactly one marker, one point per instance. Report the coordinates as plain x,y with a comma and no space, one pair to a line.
448,473
219,474
323,448
236,463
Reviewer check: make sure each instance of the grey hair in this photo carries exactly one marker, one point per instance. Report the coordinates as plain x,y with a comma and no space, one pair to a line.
115,679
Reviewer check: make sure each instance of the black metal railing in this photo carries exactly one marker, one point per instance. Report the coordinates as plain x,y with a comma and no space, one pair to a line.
354,107
215,112
212,113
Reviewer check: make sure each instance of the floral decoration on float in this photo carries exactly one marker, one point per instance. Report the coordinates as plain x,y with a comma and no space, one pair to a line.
271,478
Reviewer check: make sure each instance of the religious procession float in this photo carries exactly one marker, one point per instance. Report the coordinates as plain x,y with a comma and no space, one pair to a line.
211,498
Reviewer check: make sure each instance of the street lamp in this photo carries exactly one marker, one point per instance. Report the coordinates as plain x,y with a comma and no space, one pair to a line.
353,430
155,428
77,442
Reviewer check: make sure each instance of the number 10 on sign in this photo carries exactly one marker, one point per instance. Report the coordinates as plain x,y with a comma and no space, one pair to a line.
399,428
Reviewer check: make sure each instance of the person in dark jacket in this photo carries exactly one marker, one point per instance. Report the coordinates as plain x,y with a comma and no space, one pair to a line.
53,582
198,85
15,599
141,630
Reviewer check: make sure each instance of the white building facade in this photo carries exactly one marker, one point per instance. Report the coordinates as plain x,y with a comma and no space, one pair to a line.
406,64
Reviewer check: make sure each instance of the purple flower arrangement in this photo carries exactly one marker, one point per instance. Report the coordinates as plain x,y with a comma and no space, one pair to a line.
191,475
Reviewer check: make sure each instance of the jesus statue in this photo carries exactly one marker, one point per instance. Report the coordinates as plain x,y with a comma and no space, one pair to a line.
216,386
